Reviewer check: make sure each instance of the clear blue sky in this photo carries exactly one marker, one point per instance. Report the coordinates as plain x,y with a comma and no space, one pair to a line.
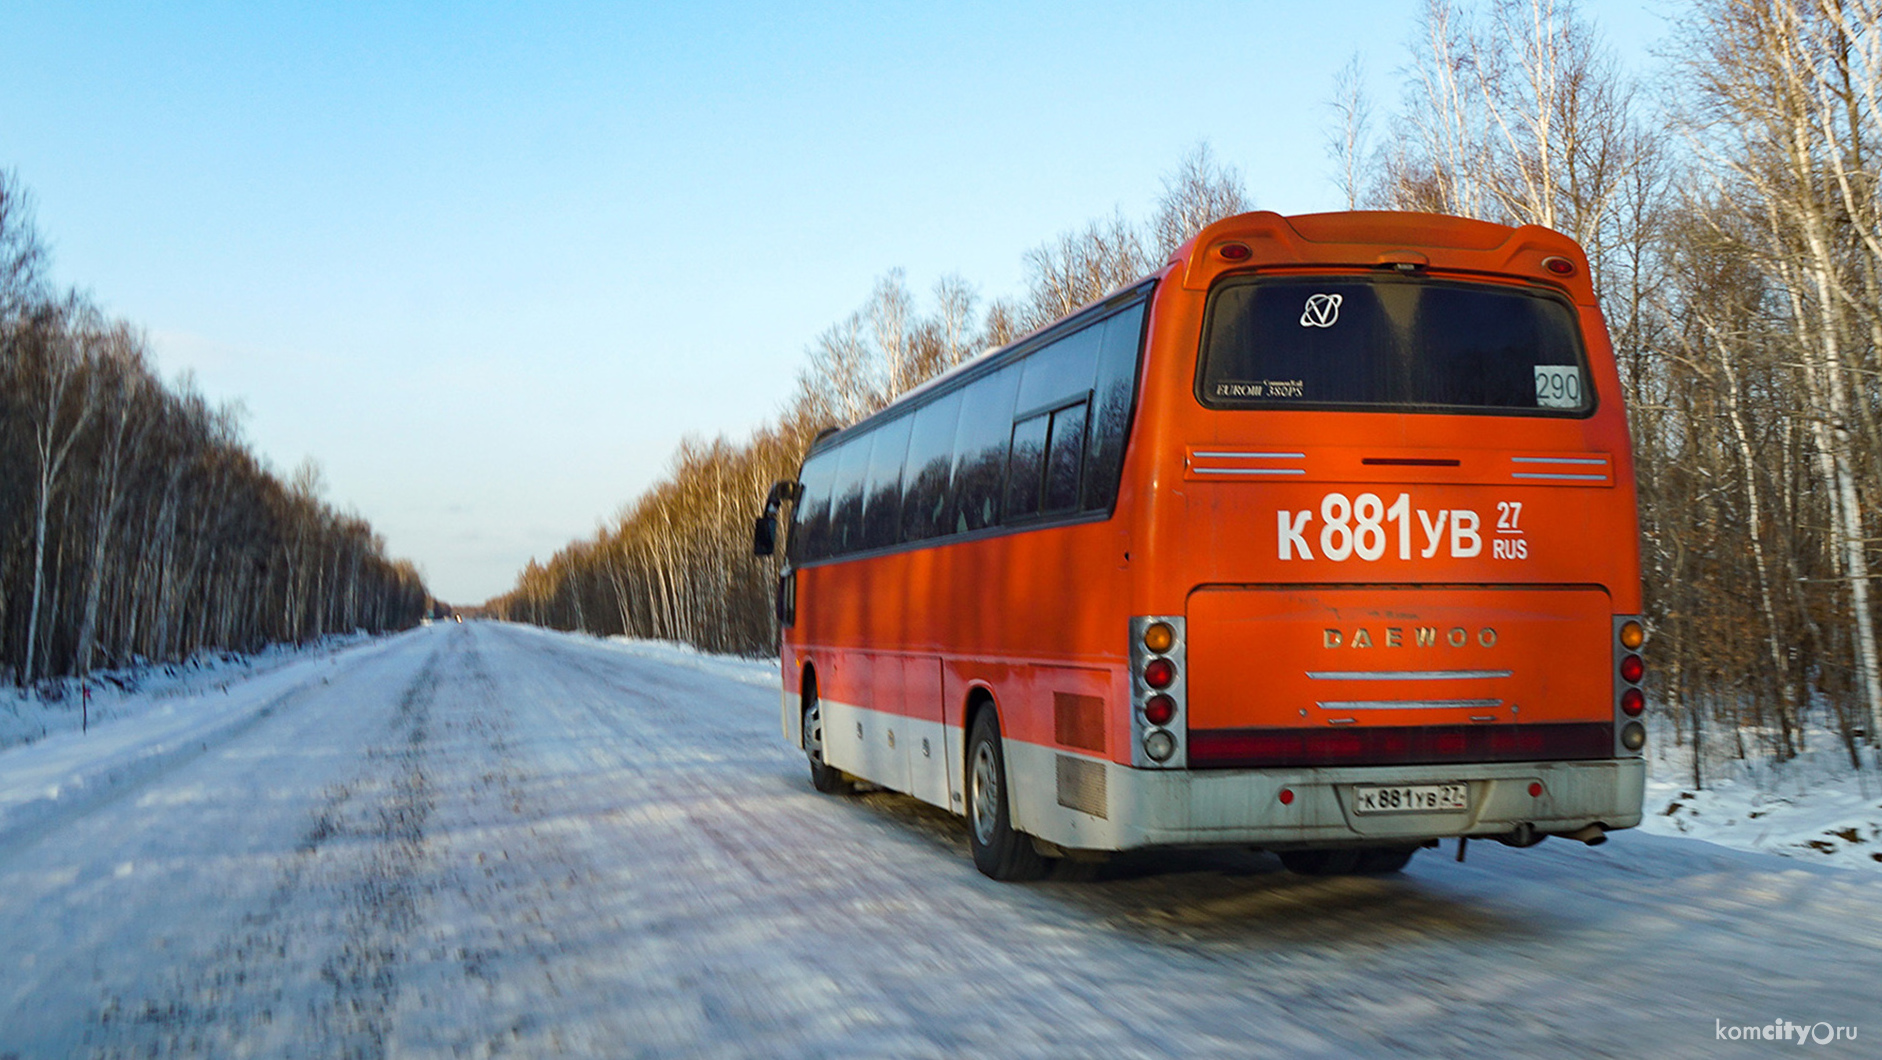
488,263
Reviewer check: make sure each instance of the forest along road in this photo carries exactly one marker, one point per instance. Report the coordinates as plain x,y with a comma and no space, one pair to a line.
485,839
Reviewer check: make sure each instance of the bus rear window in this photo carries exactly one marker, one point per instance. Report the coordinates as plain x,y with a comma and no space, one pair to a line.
1393,341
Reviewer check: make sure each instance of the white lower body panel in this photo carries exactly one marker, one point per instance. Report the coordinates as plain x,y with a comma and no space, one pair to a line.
1082,802
905,754
1242,807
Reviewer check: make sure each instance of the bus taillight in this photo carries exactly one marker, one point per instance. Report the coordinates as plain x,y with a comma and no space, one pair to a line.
1629,700
1160,710
1158,693
1159,637
1632,669
1633,635
1159,672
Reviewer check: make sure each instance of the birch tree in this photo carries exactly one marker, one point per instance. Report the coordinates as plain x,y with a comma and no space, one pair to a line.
54,377
1784,110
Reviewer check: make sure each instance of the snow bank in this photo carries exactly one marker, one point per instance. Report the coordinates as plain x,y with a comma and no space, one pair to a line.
1815,807
762,672
142,722
740,668
58,705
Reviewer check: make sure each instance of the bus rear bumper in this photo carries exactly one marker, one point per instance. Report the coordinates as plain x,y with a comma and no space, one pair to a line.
1149,808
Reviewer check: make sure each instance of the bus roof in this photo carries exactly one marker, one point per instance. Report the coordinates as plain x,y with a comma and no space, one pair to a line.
1356,238
1385,239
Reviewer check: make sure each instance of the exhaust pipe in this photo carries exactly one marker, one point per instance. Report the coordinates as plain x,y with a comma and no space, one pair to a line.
1523,835
1594,835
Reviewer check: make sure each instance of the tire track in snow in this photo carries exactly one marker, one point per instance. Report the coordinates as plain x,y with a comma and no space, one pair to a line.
321,962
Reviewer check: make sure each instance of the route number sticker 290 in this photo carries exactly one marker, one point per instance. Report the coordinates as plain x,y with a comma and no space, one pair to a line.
1558,386
1365,527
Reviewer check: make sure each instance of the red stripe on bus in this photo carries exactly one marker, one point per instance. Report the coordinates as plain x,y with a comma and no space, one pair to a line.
1398,745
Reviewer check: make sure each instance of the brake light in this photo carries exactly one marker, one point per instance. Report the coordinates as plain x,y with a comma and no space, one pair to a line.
1159,673
1632,702
1632,669
1159,710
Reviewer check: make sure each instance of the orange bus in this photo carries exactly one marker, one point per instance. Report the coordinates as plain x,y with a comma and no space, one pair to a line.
1321,540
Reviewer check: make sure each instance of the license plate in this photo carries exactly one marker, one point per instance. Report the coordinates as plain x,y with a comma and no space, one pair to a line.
1412,798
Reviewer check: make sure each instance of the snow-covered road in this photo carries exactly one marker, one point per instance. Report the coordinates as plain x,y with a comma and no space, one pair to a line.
482,839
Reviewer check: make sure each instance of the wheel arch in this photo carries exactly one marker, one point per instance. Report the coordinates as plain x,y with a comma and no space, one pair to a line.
806,691
979,700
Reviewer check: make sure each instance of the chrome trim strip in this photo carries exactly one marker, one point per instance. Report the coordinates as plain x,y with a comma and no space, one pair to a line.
1407,704
1577,478
1249,470
1251,456
1602,460
1405,675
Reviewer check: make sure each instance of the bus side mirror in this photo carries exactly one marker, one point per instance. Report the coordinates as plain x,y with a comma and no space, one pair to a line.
764,536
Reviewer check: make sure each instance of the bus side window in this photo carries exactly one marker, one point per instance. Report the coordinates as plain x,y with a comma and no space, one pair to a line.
1060,372
1065,454
882,508
846,498
1052,375
980,445
1112,398
928,469
810,516
1026,466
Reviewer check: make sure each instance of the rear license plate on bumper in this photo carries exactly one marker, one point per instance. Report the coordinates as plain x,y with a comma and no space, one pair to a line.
1412,798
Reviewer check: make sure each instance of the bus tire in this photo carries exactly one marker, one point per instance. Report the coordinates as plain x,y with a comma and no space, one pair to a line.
823,776
1000,851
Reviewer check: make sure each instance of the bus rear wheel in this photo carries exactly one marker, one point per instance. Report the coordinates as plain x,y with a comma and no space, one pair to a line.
1000,851
823,776
1349,861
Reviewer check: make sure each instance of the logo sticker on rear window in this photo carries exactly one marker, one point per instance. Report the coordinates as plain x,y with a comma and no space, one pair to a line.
1276,388
1322,311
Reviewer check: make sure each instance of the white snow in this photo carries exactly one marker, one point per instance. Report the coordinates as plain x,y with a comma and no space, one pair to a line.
1814,807
144,721
60,705
482,839
763,672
